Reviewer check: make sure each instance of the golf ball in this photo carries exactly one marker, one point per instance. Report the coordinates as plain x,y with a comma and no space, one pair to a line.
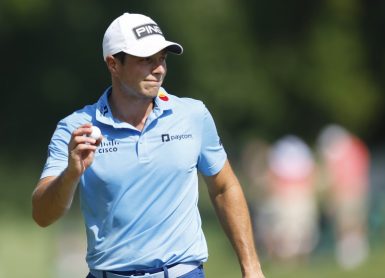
96,133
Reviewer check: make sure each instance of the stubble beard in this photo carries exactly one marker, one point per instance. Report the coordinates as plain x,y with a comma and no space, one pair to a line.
141,92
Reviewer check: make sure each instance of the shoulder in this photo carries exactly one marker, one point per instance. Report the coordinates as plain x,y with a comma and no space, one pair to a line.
79,117
187,105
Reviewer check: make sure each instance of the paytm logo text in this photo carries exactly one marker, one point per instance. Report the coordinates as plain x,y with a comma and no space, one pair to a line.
168,137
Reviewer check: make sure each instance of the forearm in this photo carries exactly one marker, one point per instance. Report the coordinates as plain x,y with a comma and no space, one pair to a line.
53,197
230,204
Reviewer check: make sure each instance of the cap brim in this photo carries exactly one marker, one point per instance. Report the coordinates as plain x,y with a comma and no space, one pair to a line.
175,48
150,48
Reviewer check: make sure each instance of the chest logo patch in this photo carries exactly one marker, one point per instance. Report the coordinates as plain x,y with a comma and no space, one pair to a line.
163,96
108,147
168,137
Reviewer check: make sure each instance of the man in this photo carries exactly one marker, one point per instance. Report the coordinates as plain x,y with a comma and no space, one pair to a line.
138,183
345,163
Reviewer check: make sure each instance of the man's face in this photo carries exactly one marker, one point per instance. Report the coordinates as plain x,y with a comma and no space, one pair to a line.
142,77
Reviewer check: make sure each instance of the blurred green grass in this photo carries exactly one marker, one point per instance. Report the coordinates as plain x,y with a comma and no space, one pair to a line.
25,249
223,263
29,251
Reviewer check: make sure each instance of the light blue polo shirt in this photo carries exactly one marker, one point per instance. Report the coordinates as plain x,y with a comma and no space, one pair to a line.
139,197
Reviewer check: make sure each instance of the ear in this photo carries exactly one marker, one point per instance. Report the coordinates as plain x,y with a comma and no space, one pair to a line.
112,64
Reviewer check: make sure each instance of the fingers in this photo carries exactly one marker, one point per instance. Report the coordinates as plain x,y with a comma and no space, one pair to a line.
83,130
99,141
81,139
81,149
81,136
80,143
83,146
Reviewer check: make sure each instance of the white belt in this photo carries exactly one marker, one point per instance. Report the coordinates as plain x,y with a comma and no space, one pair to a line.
173,272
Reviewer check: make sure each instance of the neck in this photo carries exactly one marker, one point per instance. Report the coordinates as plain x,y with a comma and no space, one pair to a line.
131,110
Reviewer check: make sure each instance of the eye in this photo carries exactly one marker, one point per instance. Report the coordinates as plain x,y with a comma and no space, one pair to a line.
145,60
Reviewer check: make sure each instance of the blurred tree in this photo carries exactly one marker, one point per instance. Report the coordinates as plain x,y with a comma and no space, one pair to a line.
315,55
338,77
264,68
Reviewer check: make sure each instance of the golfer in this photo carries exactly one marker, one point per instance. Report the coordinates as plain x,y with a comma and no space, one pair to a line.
138,182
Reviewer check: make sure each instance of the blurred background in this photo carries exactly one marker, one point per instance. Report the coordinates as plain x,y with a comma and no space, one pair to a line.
297,92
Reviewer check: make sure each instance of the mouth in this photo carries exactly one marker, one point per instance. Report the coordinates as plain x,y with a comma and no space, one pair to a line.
154,80
154,83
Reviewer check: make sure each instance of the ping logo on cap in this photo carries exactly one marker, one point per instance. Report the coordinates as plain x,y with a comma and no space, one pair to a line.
147,30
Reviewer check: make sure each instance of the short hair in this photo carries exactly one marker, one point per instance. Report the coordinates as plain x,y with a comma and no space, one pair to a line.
120,56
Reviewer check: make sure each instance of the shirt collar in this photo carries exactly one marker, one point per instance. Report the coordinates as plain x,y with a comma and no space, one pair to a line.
162,104
163,101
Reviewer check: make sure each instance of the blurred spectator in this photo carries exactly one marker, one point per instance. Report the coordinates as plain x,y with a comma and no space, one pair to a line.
254,172
288,220
345,161
254,167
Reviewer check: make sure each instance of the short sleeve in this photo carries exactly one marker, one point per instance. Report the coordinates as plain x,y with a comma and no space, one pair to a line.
57,156
212,155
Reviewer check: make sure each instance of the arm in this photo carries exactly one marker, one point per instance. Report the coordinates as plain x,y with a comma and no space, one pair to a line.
53,196
230,205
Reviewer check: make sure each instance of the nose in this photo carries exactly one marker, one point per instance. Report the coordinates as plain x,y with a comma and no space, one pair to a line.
159,68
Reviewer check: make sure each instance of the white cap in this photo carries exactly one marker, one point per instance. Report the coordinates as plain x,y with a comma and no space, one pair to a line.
137,35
